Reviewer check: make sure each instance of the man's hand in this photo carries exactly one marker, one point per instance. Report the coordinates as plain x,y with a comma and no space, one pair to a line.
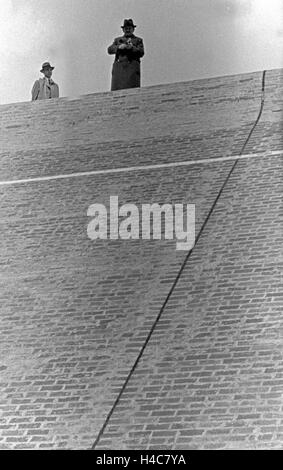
122,46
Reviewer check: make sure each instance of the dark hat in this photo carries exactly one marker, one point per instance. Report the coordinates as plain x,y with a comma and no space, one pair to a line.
46,65
129,23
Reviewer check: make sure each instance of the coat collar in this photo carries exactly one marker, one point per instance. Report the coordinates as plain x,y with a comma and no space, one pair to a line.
50,80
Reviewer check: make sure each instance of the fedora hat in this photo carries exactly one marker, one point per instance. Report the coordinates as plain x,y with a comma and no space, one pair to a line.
46,65
128,23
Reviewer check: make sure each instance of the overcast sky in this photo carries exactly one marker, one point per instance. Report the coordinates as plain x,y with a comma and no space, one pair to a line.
184,40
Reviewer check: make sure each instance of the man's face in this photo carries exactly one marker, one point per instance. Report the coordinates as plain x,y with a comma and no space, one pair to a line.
47,72
128,30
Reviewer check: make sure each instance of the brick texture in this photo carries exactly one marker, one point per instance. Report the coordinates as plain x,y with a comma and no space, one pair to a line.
211,376
198,119
76,313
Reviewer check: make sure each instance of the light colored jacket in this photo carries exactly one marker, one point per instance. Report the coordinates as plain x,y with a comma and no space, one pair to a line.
43,90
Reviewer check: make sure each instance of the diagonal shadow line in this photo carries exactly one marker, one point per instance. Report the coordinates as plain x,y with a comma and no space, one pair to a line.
133,368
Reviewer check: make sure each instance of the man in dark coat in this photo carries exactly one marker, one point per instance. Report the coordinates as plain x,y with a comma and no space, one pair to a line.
128,50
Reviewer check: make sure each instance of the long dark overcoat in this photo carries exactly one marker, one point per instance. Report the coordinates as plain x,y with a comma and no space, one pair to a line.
126,71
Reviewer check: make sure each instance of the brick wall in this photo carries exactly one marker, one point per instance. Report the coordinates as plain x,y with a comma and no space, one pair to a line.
76,313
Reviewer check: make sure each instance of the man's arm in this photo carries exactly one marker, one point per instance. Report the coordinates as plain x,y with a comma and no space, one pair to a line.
56,91
138,48
113,48
35,91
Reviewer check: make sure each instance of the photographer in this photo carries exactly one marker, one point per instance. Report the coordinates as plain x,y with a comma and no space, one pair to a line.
128,50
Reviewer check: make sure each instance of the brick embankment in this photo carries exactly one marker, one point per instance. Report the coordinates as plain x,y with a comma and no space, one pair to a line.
180,121
211,376
76,313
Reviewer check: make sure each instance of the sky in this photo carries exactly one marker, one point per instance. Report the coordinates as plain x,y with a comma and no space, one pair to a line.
184,40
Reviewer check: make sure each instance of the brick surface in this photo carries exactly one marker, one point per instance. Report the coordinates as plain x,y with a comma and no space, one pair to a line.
214,368
85,307
198,119
76,313
268,135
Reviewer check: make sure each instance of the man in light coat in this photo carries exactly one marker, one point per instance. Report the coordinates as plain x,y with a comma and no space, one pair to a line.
45,88
128,50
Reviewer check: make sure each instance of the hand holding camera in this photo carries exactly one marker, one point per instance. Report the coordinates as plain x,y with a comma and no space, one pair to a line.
125,44
129,44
